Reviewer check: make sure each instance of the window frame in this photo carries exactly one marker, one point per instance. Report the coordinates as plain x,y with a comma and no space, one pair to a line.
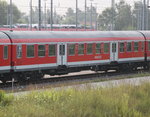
142,46
108,47
148,45
136,47
70,54
100,49
114,47
54,49
127,47
42,50
4,53
87,52
82,48
62,50
18,51
121,47
27,51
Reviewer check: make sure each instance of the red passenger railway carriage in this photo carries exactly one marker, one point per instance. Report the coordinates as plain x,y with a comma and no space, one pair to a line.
28,54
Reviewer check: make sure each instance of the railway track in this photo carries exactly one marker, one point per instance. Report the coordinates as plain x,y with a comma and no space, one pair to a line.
64,80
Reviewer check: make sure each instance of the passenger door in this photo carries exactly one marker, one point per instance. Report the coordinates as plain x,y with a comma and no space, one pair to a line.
62,54
114,51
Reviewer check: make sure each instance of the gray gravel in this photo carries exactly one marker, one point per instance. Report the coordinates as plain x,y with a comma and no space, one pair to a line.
111,83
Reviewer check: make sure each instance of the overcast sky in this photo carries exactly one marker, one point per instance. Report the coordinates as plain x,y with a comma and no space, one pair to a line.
62,5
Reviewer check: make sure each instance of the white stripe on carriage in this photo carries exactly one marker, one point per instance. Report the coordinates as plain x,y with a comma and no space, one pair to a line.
5,68
35,66
89,62
131,59
81,63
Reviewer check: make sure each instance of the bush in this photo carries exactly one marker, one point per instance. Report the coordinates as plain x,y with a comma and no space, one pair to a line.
5,99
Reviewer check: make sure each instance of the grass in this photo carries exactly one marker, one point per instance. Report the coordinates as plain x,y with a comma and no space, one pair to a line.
120,101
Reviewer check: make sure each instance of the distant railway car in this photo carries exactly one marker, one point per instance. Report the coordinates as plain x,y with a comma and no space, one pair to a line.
29,55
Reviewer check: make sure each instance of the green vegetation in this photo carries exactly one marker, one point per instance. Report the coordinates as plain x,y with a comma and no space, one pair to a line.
5,100
4,10
122,101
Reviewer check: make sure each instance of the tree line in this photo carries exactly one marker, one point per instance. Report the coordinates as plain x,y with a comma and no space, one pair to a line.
5,13
123,16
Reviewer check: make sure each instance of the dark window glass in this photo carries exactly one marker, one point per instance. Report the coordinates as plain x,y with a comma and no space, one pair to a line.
71,48
41,50
149,46
30,50
62,50
19,51
136,46
98,48
142,46
106,47
5,52
129,47
89,48
81,49
122,47
52,50
114,47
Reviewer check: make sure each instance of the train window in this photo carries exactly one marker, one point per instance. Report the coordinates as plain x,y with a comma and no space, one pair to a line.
71,48
142,46
30,50
148,46
129,47
98,48
114,47
5,52
52,50
106,47
19,51
41,50
136,46
61,49
81,49
121,47
89,48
